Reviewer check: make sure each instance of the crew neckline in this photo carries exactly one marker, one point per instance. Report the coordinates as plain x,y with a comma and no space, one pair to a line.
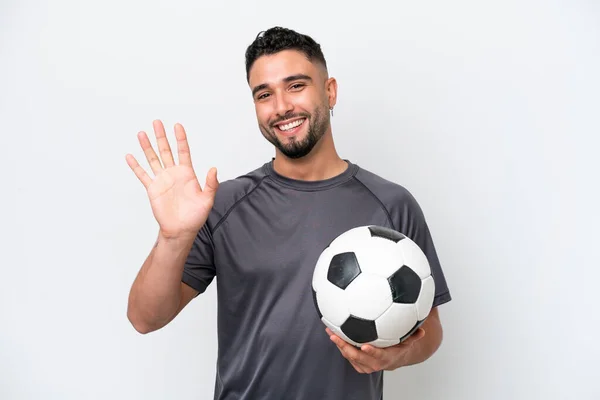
342,177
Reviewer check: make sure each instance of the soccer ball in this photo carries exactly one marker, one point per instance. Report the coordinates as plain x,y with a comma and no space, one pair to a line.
373,285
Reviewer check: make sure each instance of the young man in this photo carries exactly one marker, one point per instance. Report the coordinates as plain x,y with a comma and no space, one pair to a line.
261,234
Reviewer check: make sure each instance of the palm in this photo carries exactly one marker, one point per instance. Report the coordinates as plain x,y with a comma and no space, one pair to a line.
178,202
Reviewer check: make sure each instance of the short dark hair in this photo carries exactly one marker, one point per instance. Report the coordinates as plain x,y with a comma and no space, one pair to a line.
277,39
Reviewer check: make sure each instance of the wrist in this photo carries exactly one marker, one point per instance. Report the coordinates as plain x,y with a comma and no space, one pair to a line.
183,239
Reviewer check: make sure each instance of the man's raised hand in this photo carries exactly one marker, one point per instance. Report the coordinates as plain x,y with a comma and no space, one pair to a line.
178,203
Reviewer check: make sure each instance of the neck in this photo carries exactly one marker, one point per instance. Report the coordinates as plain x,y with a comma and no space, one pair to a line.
321,163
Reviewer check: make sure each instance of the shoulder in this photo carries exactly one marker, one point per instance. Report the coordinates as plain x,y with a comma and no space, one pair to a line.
403,209
388,192
398,201
232,191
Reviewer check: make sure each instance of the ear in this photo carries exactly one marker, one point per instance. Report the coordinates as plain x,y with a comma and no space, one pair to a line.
331,90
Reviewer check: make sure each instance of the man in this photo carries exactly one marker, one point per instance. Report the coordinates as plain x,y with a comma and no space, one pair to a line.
261,234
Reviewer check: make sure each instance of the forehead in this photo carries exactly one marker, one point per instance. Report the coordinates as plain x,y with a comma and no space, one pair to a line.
271,69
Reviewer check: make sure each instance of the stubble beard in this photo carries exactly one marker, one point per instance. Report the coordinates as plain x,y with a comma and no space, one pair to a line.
294,148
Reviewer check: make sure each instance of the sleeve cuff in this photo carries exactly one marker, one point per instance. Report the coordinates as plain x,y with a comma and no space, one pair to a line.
195,283
441,298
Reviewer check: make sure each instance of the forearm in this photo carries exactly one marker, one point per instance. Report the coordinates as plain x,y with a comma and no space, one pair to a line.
424,348
156,292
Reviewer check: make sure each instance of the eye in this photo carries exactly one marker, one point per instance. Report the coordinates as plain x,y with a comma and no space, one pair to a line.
262,96
297,86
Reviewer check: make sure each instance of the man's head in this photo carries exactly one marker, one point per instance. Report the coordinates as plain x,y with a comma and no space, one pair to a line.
292,91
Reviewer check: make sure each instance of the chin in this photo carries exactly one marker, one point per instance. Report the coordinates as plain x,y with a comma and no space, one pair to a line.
292,140
298,154
298,150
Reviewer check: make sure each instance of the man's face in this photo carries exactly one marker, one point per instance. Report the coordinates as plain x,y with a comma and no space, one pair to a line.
291,99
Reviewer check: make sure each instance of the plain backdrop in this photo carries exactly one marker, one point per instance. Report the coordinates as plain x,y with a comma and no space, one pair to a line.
487,111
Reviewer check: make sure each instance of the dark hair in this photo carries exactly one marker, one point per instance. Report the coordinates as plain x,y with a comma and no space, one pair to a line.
277,39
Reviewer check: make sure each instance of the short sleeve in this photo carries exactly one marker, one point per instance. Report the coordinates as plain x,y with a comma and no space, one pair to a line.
199,269
413,224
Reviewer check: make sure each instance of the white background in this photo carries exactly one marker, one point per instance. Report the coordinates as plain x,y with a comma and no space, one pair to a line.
487,111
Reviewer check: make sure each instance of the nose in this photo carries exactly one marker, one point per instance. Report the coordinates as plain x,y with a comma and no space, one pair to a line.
283,104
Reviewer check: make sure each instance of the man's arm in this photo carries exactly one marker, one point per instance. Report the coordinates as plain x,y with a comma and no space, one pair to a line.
427,345
158,294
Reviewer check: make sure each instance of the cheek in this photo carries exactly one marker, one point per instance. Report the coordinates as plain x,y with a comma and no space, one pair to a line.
263,115
306,102
312,104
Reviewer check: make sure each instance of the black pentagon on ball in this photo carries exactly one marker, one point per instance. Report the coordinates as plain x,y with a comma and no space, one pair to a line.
359,330
405,285
412,330
386,233
343,269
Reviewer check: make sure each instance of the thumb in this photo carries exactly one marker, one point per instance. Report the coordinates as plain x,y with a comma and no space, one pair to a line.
212,183
417,335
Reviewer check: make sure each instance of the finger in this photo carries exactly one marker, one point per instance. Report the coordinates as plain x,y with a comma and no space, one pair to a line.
358,367
355,364
365,368
342,345
373,351
151,156
353,355
183,148
348,351
163,144
418,335
212,184
138,170
362,368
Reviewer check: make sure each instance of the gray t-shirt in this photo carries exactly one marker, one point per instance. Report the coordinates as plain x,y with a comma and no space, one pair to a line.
261,241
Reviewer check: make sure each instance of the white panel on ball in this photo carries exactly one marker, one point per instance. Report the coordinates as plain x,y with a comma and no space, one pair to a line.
368,296
415,258
350,240
321,268
332,303
396,321
425,300
380,256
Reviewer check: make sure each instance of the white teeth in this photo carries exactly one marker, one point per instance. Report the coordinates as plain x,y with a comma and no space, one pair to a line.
291,125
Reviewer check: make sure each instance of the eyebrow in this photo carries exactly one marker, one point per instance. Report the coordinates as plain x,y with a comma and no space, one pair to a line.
286,79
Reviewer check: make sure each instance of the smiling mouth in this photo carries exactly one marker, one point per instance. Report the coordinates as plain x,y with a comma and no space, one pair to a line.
291,126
